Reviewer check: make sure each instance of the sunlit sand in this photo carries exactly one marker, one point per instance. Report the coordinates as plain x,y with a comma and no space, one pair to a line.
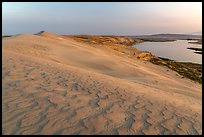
52,84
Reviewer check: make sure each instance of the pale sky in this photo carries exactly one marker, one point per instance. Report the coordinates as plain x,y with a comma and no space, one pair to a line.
101,18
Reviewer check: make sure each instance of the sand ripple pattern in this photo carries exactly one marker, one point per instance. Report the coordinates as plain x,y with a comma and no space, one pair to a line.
41,99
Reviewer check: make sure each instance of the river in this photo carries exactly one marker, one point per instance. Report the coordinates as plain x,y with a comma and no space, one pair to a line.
174,50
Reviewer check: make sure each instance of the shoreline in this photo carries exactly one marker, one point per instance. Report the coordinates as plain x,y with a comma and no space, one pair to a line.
192,71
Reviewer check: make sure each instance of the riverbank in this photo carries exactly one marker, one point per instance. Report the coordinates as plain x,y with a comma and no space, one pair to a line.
186,69
157,40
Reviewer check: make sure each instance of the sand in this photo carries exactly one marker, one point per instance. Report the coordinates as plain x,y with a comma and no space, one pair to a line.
56,85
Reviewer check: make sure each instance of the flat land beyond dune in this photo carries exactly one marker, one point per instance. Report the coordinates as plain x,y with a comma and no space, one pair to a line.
53,84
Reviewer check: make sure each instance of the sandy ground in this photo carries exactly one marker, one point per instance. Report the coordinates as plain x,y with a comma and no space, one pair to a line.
55,85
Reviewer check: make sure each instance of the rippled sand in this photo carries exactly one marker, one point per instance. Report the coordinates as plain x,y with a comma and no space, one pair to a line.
55,85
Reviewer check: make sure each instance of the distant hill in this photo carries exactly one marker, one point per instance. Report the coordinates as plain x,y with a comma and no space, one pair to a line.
196,33
169,36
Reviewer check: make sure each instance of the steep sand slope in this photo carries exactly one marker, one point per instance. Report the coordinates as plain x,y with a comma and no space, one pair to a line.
55,85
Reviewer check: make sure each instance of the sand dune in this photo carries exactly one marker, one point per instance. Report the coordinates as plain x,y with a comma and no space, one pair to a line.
53,84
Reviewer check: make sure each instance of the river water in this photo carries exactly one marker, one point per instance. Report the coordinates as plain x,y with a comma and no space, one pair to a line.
174,50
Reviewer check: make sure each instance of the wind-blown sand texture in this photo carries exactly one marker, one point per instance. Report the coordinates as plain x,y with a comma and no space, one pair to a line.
55,85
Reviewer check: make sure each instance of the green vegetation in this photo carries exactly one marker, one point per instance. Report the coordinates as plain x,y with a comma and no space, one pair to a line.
40,32
186,69
6,36
4,107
